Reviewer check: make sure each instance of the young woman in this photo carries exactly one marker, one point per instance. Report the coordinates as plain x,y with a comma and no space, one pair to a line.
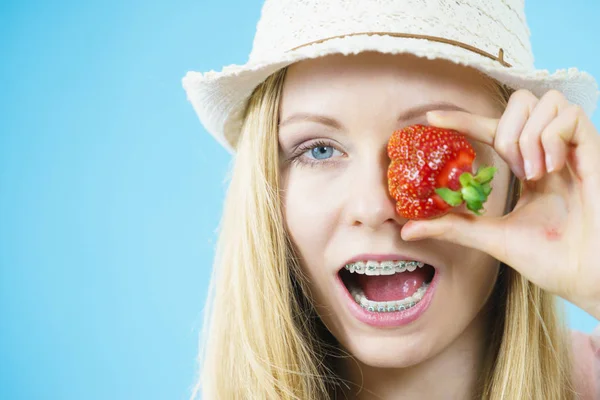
309,118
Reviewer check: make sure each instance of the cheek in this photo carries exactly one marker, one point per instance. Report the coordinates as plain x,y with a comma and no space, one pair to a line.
311,210
477,278
466,289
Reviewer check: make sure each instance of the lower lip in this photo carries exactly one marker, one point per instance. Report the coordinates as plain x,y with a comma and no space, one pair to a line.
389,319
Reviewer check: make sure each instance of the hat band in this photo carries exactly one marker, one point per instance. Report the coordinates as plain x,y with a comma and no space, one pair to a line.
499,57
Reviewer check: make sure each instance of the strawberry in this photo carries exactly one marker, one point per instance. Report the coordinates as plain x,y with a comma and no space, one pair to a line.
431,172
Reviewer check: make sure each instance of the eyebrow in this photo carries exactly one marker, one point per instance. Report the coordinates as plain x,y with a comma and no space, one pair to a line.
320,119
406,115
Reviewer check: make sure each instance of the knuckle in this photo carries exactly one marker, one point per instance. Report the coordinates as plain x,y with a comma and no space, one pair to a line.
524,139
546,136
502,146
523,96
576,110
554,96
555,99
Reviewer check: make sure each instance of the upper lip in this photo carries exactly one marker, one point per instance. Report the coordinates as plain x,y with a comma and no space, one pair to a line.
388,257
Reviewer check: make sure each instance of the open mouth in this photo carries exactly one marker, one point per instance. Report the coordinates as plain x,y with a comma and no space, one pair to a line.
387,286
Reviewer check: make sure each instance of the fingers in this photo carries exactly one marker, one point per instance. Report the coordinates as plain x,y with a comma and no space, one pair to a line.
572,128
478,127
554,145
555,127
514,119
530,139
533,136
502,134
478,232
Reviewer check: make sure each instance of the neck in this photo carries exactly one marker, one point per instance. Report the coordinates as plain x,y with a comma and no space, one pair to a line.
453,373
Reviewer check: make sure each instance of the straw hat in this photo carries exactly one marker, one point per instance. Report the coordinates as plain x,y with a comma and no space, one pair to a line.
489,35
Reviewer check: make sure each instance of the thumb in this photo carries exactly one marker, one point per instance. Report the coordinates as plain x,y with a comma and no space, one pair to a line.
483,233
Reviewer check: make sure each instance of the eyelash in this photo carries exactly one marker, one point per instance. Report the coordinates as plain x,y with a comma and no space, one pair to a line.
297,157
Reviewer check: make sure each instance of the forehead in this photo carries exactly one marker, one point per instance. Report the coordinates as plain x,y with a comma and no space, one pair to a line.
381,81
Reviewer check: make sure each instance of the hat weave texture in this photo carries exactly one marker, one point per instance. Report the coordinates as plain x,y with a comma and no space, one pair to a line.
293,30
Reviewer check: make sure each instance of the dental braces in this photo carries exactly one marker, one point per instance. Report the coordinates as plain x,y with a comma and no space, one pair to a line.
402,265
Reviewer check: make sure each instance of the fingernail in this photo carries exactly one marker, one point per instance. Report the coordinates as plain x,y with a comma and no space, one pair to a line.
436,115
528,169
440,113
549,165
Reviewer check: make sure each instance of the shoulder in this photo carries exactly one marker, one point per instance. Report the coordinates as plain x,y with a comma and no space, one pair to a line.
586,364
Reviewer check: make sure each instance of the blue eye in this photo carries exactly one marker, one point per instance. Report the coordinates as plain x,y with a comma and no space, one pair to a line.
322,152
316,153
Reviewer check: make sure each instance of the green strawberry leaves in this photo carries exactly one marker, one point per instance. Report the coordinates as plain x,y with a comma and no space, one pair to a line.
454,198
474,190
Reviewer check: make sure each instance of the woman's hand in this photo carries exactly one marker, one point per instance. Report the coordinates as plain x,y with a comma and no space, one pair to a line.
552,237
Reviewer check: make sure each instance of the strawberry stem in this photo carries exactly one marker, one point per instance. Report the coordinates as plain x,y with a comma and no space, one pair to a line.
474,190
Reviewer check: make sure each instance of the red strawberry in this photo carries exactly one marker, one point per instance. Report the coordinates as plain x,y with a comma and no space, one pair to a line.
431,172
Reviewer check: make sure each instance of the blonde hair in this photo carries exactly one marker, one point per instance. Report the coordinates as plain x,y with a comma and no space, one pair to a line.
263,338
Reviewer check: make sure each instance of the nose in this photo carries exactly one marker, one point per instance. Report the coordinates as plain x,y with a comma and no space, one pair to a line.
369,203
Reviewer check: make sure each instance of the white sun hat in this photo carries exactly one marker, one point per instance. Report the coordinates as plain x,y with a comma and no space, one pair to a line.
489,35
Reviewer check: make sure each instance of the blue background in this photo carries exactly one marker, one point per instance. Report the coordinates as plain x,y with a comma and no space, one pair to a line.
110,189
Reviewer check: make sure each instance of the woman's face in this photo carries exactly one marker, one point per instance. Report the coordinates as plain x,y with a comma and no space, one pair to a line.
337,114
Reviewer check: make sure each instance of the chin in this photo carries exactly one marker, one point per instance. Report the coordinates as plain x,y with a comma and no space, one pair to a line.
393,352
445,318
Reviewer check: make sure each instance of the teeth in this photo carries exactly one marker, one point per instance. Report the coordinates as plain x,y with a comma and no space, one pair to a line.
384,267
401,267
388,306
387,268
359,267
372,268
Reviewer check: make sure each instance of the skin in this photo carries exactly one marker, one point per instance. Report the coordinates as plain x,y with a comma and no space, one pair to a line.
338,207
558,148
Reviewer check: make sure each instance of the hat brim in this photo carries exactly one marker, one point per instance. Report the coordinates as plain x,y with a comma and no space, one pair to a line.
219,98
